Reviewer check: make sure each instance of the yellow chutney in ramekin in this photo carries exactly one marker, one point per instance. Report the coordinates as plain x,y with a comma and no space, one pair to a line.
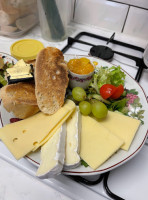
81,72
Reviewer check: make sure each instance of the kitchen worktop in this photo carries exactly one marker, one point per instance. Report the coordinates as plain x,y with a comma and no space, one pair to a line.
15,183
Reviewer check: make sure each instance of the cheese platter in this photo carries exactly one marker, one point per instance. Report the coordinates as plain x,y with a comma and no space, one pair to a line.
119,156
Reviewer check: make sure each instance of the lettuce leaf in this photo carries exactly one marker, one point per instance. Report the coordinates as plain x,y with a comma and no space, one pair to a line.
106,75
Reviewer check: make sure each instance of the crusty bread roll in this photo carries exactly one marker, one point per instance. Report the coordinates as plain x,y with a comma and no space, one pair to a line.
26,22
6,19
51,79
8,29
19,7
20,99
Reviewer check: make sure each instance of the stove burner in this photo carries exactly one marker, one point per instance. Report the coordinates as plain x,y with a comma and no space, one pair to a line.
103,52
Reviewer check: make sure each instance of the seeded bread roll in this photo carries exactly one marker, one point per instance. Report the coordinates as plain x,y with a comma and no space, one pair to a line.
20,99
51,79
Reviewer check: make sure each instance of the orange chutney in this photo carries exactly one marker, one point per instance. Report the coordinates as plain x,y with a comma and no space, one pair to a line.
80,66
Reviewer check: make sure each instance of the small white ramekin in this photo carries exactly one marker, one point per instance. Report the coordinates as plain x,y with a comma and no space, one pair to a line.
79,80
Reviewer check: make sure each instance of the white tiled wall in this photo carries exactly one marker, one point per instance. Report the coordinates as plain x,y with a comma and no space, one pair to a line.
139,3
137,23
114,16
101,13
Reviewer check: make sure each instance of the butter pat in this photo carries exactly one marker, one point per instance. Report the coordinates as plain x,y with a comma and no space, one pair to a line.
20,70
53,154
72,158
23,136
97,142
123,126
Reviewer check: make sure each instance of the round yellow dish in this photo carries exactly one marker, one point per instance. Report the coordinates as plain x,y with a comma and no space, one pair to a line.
80,66
26,49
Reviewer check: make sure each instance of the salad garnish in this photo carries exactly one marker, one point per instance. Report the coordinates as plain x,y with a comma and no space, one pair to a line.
3,66
127,103
106,75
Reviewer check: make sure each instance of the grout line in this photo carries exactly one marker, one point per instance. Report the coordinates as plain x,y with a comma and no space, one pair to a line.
74,8
125,19
128,4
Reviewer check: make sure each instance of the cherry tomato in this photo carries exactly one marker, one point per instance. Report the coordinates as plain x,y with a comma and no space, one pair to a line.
119,91
107,90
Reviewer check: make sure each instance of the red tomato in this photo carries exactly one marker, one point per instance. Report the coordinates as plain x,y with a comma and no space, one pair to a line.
119,91
107,90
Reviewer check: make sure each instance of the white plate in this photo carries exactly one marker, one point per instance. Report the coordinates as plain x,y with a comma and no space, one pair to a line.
121,156
8,58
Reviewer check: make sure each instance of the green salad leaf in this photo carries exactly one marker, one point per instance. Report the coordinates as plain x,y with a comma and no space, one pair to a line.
84,163
3,81
106,75
118,105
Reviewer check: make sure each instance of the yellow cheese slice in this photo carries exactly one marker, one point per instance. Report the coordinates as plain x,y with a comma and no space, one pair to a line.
53,131
123,126
23,136
97,142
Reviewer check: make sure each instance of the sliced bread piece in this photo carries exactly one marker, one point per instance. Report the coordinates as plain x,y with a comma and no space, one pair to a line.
51,79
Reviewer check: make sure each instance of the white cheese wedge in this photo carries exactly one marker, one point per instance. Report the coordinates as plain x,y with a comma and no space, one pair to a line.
72,158
53,154
26,135
97,142
123,126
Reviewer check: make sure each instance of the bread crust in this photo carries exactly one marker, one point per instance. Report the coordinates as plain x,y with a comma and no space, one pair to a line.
51,79
20,99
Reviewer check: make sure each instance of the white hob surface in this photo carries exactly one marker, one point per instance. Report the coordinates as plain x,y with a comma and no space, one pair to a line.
129,181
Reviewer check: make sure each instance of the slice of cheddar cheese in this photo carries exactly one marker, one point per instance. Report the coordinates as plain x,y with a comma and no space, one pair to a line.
53,131
23,136
97,142
123,126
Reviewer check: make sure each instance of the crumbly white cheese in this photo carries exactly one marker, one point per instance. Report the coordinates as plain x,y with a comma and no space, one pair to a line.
53,154
72,158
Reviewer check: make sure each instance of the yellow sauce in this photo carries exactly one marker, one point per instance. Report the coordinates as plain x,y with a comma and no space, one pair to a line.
80,66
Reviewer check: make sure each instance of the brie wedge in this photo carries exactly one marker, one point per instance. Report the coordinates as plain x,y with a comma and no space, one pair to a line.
53,154
72,158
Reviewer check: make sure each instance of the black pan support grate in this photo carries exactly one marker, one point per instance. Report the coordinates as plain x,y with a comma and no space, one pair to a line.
140,67
139,61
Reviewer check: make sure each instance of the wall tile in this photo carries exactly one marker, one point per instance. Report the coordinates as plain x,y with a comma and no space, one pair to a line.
139,3
101,13
137,23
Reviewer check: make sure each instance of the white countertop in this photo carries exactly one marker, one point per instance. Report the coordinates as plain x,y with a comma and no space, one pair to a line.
15,183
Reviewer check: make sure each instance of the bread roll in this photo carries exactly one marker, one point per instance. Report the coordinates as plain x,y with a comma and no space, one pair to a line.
51,79
6,19
20,99
26,22
8,29
19,7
